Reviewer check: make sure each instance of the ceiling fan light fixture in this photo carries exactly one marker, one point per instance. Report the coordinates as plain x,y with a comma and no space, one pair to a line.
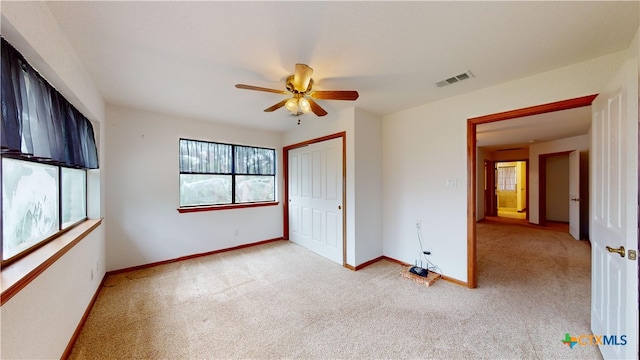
292,105
304,104
298,105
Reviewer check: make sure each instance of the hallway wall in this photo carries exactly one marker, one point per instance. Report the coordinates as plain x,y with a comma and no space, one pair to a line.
580,143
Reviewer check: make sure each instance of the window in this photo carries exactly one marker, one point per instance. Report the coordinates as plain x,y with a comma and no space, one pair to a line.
73,196
38,201
507,178
220,174
46,145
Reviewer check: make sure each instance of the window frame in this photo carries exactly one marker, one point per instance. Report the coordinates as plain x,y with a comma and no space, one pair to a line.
60,231
232,174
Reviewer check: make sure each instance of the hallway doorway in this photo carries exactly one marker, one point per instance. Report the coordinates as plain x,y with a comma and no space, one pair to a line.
473,170
510,189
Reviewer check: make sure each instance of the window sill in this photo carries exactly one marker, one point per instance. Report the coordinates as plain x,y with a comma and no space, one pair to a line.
19,274
225,207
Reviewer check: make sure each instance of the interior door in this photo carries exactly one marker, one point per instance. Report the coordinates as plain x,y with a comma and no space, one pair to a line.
614,214
315,198
574,194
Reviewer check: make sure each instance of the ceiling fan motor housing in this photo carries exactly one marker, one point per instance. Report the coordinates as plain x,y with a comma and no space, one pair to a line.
292,88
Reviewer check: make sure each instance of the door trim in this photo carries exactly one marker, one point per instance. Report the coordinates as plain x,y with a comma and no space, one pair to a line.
472,123
285,185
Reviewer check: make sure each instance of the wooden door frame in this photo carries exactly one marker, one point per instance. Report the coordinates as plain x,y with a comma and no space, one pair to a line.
285,185
472,123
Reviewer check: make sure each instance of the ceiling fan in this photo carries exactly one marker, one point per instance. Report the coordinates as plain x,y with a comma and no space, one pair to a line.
300,86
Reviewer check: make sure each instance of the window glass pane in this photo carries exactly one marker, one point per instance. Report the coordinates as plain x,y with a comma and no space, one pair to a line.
205,157
204,189
74,202
256,161
29,204
254,188
507,178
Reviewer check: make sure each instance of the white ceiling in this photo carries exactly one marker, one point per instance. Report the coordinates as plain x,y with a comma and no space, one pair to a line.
183,58
527,130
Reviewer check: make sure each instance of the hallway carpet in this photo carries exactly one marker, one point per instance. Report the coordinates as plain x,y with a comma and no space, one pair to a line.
550,225
279,300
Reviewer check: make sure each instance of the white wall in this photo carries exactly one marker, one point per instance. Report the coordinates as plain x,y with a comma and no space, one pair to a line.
39,321
144,225
363,173
580,143
425,146
368,186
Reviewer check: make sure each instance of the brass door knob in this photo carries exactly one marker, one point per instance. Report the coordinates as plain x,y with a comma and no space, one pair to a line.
619,250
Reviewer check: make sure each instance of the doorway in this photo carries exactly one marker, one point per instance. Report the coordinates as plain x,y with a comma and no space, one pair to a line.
554,187
507,195
472,123
314,193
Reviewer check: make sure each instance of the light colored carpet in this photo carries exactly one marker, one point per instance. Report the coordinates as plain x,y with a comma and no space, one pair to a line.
281,301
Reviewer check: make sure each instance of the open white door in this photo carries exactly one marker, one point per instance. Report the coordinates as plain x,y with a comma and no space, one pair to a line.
574,194
614,216
315,198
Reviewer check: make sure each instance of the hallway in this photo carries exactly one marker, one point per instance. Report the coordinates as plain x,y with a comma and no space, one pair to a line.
550,225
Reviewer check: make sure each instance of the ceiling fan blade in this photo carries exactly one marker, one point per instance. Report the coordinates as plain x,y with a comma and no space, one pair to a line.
317,109
276,106
335,95
251,87
301,77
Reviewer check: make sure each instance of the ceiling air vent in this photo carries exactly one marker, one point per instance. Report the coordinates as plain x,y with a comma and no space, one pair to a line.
455,79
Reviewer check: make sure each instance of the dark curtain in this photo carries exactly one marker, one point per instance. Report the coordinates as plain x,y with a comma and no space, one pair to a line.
37,121
205,157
